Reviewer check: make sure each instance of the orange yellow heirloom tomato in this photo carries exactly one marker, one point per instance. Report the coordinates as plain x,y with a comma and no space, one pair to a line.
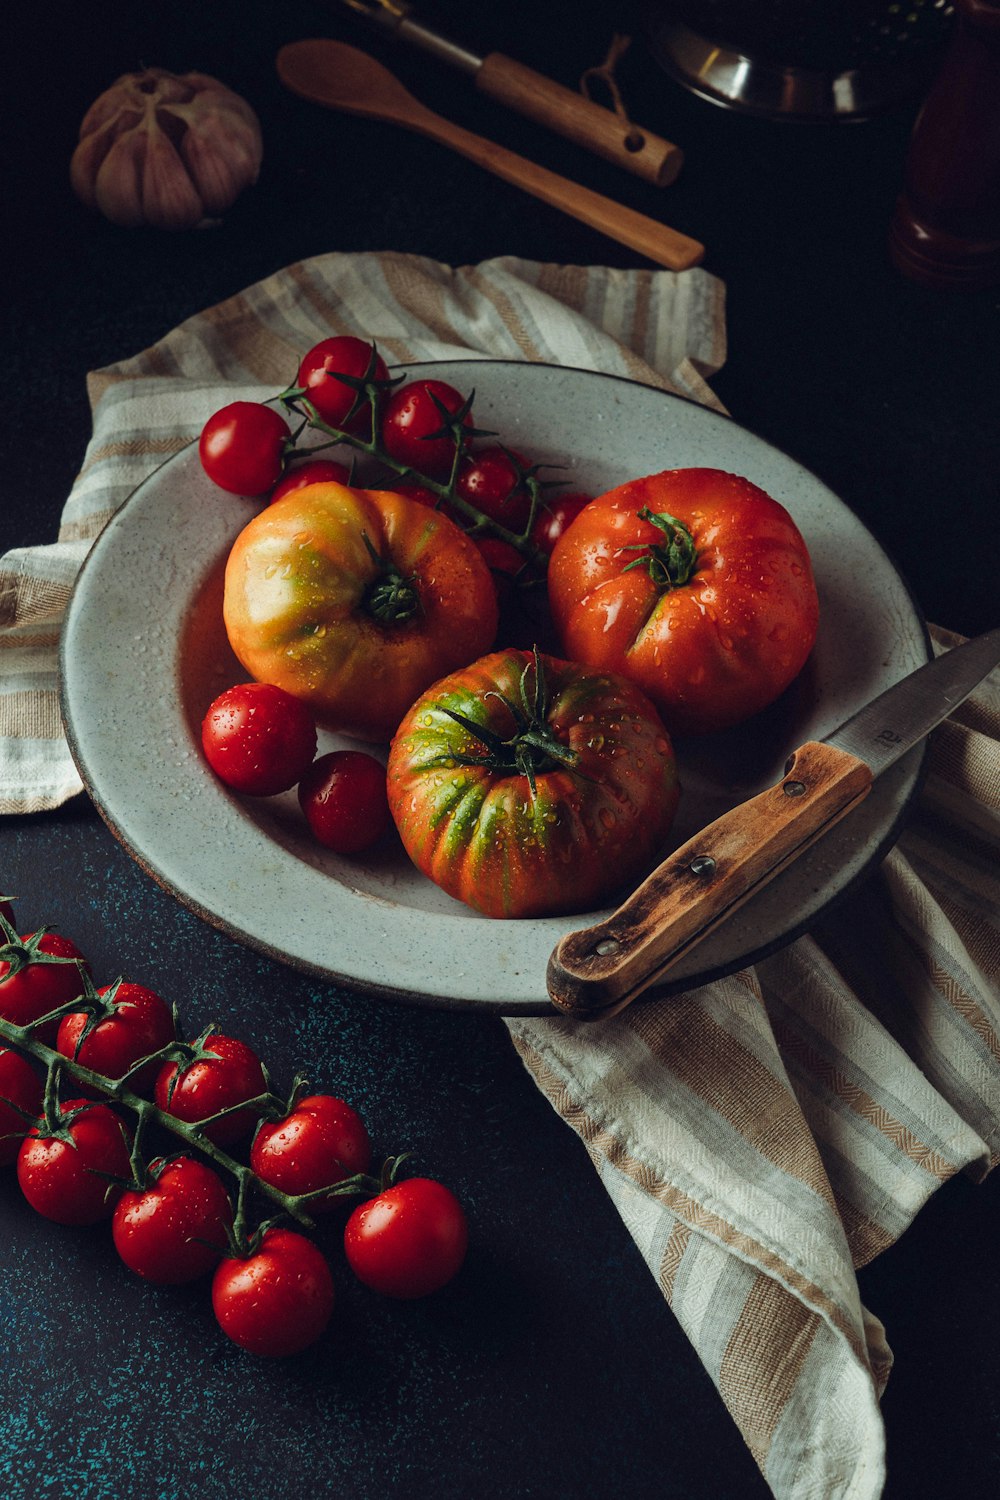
354,601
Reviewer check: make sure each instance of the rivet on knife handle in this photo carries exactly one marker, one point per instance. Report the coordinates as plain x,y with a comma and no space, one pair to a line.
599,970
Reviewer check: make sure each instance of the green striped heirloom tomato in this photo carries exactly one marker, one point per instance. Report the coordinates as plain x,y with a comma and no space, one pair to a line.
527,786
695,584
354,601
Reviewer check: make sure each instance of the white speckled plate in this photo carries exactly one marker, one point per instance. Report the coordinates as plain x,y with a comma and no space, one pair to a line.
145,624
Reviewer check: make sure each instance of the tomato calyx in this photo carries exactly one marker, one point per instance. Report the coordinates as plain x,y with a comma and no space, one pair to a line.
671,562
18,952
368,391
389,598
534,747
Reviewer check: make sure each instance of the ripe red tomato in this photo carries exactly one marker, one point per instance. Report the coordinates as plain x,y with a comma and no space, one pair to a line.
554,516
276,1301
136,1023
491,481
21,1093
409,1241
68,1180
525,793
242,447
226,1072
412,425
174,1229
38,973
322,1141
355,601
344,801
334,398
316,471
258,739
696,585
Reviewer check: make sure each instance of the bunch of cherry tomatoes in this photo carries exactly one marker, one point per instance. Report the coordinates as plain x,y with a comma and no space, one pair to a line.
79,1159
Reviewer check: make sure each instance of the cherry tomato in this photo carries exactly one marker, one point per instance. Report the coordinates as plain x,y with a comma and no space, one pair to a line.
322,1141
412,426
31,984
409,1241
355,601
258,739
316,471
333,398
242,447
697,586
136,1023
226,1073
68,1180
173,1230
490,481
554,516
344,801
420,493
21,1087
276,1301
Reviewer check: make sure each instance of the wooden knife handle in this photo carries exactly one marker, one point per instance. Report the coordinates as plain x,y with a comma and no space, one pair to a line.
579,119
601,969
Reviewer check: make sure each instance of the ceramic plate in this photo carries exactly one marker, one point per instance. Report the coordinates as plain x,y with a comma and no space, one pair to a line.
145,625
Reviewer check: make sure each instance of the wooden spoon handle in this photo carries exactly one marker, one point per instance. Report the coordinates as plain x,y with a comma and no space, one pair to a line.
667,247
598,971
579,119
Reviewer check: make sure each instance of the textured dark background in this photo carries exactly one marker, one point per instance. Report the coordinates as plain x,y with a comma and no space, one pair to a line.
551,1368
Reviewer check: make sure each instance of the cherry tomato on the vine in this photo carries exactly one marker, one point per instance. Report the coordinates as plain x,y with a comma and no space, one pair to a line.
258,739
225,1073
31,984
276,1301
139,1022
242,447
491,481
316,471
409,1240
412,425
554,516
320,1142
70,1181
174,1229
333,398
20,1090
344,800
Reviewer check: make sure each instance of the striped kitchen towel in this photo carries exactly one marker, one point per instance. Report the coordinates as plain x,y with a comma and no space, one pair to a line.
765,1135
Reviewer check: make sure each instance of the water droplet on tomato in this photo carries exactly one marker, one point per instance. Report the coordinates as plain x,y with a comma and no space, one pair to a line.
607,817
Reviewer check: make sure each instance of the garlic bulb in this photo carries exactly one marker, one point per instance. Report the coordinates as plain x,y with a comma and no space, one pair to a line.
166,150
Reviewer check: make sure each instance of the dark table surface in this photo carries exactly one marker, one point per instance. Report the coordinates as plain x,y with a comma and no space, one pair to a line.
552,1366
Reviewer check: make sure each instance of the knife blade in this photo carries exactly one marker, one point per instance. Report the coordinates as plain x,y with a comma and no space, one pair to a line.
533,95
598,970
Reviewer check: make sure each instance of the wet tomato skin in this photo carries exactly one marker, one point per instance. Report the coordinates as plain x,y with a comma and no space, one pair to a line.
258,739
174,1229
320,1142
68,1182
409,1241
277,1301
141,1023
231,1074
20,1094
30,987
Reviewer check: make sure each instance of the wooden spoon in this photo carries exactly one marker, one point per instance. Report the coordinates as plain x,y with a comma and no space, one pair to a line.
342,77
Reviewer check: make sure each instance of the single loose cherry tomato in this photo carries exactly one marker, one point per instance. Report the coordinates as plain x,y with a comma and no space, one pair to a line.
695,584
38,973
355,601
70,1180
20,1102
344,801
554,516
174,1229
134,1022
316,471
224,1072
332,397
409,1241
491,481
320,1142
415,432
276,1301
258,739
242,447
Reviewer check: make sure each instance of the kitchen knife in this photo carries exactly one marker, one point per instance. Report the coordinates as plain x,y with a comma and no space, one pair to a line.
601,969
531,94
